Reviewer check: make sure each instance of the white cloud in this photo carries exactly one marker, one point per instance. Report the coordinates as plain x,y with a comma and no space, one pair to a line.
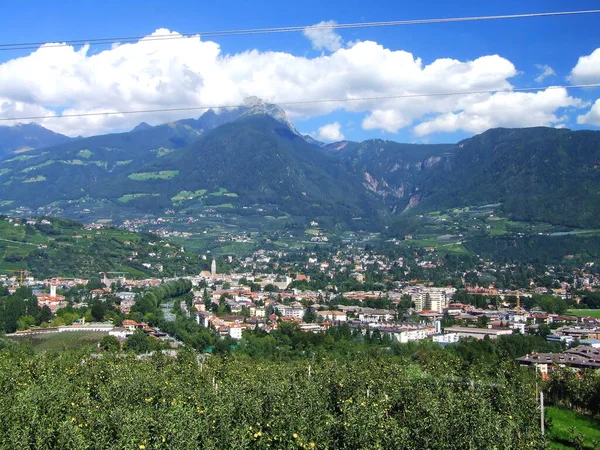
587,69
503,109
545,72
189,72
592,117
330,132
324,38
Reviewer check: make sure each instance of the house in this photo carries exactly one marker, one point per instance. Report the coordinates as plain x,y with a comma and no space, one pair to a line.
333,316
478,333
235,331
290,311
580,357
370,315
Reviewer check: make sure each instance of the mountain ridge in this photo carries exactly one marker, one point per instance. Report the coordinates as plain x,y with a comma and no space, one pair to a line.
256,156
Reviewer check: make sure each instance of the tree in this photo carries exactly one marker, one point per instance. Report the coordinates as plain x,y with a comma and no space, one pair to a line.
309,316
404,305
14,308
110,343
483,321
138,342
45,315
25,322
98,310
271,288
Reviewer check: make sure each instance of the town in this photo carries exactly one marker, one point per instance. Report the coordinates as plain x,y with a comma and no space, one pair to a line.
263,291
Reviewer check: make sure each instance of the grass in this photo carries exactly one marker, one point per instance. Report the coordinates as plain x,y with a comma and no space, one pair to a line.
563,420
162,175
585,312
39,166
160,152
128,197
61,341
188,195
85,153
36,179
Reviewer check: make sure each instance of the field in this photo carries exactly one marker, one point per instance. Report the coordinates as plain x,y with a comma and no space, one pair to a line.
128,197
162,175
585,312
61,341
563,420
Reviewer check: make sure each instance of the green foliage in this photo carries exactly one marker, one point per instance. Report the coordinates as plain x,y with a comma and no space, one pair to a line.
109,343
70,250
541,174
70,400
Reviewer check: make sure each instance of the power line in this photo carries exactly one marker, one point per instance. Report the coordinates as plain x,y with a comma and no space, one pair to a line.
307,102
291,29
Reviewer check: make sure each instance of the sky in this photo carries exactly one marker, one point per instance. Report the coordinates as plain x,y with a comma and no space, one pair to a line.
312,64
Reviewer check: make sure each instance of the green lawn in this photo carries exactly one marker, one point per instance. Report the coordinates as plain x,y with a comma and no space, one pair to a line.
563,420
62,341
585,312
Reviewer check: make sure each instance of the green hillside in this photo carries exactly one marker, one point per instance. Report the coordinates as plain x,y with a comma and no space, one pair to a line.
22,138
538,174
65,248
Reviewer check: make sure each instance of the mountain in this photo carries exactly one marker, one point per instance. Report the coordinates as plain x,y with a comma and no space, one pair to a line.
23,137
256,160
69,171
542,174
311,140
251,160
392,171
142,126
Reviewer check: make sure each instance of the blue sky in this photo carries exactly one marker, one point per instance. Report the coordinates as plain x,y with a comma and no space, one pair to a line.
527,44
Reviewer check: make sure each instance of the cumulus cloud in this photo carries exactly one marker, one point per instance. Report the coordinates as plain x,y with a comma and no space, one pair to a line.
190,72
587,69
503,109
545,72
330,132
324,38
592,117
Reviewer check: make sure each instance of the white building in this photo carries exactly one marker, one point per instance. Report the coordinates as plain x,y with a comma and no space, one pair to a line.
369,315
449,338
432,299
235,331
290,311
333,316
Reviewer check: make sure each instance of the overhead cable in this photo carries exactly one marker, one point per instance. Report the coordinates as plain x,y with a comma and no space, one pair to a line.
306,102
290,29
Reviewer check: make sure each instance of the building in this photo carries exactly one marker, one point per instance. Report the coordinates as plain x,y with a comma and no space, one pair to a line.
290,311
333,316
580,357
478,333
369,315
235,331
52,300
449,338
213,268
432,299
